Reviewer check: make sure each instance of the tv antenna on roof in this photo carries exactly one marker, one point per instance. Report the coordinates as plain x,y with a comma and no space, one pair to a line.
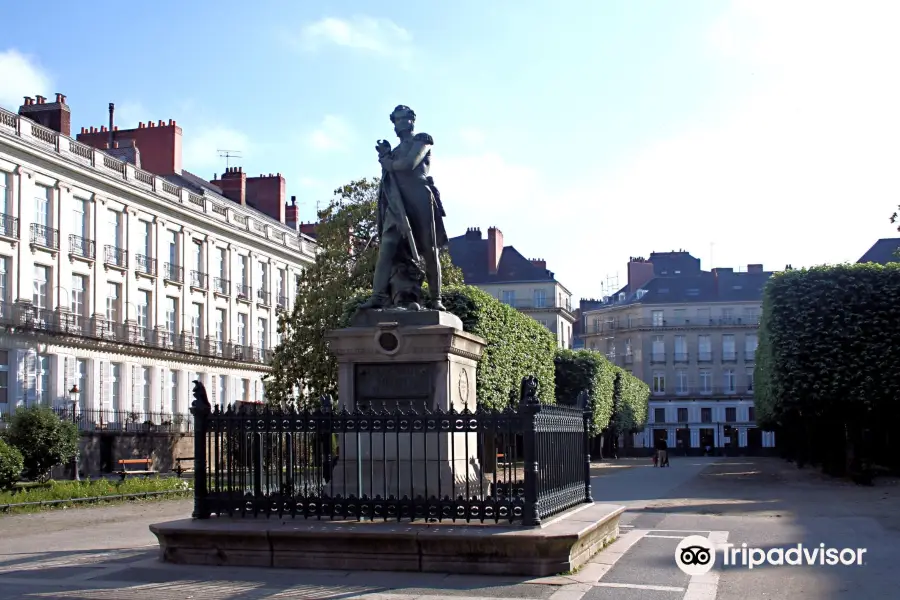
228,155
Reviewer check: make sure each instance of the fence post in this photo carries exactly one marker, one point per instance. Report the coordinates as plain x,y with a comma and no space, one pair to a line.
529,407
201,410
587,408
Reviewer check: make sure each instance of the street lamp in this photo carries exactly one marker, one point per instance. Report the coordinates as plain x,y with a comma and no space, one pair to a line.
73,396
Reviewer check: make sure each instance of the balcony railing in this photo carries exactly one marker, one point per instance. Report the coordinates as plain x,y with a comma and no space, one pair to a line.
626,324
704,356
116,257
243,292
699,390
79,246
536,304
44,236
173,273
264,297
729,356
282,302
145,264
121,420
9,226
199,280
681,357
221,286
657,357
30,320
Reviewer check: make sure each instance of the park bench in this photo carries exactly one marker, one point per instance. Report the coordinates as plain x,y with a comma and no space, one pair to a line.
125,471
179,470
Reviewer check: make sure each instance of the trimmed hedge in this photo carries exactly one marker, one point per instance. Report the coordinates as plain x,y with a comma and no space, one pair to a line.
619,398
517,345
828,353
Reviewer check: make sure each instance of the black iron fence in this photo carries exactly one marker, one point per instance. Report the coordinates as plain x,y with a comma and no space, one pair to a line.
392,461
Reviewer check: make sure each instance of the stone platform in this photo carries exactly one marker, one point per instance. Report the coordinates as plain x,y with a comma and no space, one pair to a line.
562,544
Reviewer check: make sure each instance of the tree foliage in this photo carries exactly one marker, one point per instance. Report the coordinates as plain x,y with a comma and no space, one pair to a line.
302,366
826,363
44,440
11,465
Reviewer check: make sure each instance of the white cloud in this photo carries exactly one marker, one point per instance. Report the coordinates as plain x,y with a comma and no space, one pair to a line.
379,36
201,150
333,133
129,113
21,76
472,136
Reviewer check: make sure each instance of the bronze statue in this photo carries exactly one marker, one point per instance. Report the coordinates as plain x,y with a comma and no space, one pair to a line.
410,221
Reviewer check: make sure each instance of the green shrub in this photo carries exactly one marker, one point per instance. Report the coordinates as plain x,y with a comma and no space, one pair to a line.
11,465
580,370
630,402
43,439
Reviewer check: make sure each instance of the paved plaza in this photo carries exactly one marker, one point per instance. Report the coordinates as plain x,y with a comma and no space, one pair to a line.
109,553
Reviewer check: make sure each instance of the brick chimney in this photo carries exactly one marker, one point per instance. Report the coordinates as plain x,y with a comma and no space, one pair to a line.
495,249
291,212
473,233
308,229
233,184
640,271
755,268
266,194
55,115
159,144
540,263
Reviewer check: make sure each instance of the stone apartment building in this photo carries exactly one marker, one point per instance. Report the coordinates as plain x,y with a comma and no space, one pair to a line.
506,274
127,276
691,335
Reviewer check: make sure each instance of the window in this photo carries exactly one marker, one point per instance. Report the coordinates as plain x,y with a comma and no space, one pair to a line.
728,351
656,318
659,349
42,202
728,315
173,390
145,390
245,390
703,315
114,218
81,371
750,344
41,294
197,260
728,381
146,238
115,382
197,320
679,315
280,284
682,415
659,415
144,303
659,382
113,302
628,349
540,298
245,270
5,193
751,315
749,376
508,297
42,379
681,381
704,346
221,319
171,314
4,368
705,381
751,414
223,262
242,329
79,218
172,243
223,390
680,348
263,280
706,415
731,414
79,285
4,282
263,325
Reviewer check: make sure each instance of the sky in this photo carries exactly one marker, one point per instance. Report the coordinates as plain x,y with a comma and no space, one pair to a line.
752,131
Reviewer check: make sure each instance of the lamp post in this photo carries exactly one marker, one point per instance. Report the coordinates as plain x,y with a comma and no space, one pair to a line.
73,396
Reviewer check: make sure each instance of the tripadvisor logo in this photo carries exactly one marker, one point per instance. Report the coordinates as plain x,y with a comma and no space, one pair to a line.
695,555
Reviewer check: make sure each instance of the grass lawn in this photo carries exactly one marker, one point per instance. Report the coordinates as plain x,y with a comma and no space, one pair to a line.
103,490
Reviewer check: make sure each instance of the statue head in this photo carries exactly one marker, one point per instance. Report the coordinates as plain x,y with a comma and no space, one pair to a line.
403,118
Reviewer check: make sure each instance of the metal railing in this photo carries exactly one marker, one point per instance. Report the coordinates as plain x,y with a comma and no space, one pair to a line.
392,460
126,420
28,319
44,236
700,390
172,272
626,324
221,286
243,292
9,226
263,297
199,280
115,257
145,264
83,247
282,302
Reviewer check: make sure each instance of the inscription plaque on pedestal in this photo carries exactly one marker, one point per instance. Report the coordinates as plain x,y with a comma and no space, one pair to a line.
389,386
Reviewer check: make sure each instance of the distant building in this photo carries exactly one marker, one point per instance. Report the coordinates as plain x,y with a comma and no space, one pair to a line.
883,251
513,279
579,327
691,335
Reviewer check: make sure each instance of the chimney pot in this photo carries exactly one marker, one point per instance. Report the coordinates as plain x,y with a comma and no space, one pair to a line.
115,127
160,123
40,99
27,100
115,144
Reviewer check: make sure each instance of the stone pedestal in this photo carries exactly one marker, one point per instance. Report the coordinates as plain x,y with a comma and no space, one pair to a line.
411,368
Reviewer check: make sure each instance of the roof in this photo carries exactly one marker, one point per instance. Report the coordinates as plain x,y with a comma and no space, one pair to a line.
471,256
883,251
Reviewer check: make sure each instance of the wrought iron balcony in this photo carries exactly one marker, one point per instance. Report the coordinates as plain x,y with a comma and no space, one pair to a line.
199,280
9,226
221,286
282,302
681,357
173,273
243,292
116,257
44,236
79,246
145,264
658,357
264,297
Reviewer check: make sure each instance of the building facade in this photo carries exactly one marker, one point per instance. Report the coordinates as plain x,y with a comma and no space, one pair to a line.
130,283
524,284
691,335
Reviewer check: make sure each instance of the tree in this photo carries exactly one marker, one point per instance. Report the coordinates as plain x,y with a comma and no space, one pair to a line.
11,465
302,366
44,440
